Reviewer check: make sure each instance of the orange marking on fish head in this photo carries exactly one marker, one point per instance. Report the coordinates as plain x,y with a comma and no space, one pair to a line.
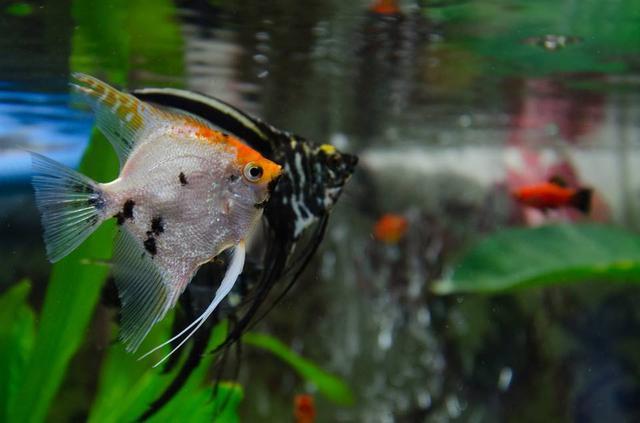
246,155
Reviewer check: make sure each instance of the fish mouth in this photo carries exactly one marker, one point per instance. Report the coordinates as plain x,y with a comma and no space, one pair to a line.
350,161
271,186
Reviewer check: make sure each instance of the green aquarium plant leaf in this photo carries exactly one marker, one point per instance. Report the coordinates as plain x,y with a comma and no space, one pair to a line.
329,385
199,395
134,385
555,254
17,331
72,294
500,32
75,283
128,382
102,45
20,9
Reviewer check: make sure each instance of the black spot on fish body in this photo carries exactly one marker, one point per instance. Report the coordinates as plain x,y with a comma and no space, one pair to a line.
150,245
183,179
127,209
126,212
157,225
233,177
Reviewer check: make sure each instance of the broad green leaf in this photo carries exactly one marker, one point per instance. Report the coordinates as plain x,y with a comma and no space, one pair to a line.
330,386
75,283
496,31
518,258
17,331
20,9
102,42
129,382
134,385
72,293
198,393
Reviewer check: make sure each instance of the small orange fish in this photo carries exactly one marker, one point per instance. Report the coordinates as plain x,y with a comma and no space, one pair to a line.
304,408
385,7
186,192
554,194
390,228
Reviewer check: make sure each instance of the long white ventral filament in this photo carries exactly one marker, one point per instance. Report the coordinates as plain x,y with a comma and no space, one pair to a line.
230,278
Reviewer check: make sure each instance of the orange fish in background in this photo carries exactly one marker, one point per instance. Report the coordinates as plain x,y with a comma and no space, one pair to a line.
304,408
554,194
385,7
390,228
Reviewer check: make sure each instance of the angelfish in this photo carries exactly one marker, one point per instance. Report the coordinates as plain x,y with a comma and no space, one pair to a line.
185,193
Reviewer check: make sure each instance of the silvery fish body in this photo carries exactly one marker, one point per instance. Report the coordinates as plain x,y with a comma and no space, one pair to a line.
185,202
185,193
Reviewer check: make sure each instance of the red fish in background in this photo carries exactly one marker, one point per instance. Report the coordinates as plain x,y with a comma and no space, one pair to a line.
390,228
535,154
385,7
554,194
544,202
304,408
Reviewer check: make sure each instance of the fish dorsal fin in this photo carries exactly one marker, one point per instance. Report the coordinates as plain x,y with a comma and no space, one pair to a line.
121,117
144,291
251,130
558,180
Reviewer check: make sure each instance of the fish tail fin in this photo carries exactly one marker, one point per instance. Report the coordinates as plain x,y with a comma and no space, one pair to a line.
71,205
581,200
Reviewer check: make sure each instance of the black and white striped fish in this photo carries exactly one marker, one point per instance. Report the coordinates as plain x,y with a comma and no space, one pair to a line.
312,179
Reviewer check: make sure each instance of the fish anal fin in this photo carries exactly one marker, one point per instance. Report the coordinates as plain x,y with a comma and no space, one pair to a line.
230,277
146,292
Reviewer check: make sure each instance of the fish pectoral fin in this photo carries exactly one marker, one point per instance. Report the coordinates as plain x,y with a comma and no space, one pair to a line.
145,292
230,277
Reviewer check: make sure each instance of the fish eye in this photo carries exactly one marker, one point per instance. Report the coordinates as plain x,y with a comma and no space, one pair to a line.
253,172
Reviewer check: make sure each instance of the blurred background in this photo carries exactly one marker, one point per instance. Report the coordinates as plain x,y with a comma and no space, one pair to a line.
451,105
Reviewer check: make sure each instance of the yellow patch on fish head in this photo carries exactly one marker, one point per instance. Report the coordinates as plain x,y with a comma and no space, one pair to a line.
328,149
